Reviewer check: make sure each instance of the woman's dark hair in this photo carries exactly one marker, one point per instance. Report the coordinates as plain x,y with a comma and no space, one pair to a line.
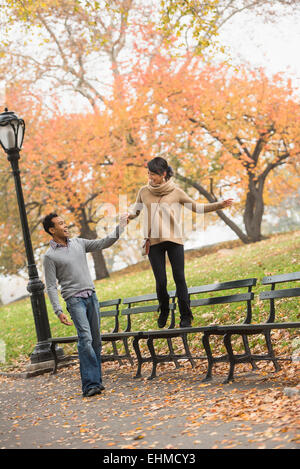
158,166
48,223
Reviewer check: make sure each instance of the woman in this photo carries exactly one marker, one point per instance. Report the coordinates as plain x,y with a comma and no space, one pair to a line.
163,201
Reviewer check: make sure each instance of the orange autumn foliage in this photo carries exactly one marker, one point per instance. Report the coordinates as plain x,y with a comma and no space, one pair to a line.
238,129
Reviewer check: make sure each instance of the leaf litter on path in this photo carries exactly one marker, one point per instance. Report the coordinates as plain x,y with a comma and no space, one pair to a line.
174,410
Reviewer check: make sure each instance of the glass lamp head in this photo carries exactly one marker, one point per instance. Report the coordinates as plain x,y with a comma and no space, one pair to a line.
12,131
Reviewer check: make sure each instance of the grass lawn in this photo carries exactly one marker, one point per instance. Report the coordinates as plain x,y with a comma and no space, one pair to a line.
276,255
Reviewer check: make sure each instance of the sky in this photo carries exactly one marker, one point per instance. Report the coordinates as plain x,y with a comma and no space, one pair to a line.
273,46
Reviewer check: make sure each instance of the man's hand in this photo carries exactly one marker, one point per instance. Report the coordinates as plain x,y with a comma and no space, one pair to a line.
226,203
64,319
124,220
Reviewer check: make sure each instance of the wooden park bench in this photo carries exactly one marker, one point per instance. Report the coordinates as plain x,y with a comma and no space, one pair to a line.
227,331
262,328
136,311
142,305
214,298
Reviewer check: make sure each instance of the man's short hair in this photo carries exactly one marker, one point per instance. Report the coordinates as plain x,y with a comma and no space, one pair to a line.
48,223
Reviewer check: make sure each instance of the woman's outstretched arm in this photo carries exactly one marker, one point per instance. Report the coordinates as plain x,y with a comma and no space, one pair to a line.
203,208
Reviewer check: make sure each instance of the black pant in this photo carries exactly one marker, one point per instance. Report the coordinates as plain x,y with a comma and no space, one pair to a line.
157,257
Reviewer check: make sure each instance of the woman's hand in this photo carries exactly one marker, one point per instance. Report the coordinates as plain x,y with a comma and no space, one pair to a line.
226,203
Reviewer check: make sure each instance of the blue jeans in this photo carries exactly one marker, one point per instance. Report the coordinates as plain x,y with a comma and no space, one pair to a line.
85,315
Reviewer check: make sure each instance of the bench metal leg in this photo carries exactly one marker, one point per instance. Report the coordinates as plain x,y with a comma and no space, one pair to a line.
271,350
227,343
136,347
153,356
54,354
248,352
206,345
116,353
187,350
128,355
172,352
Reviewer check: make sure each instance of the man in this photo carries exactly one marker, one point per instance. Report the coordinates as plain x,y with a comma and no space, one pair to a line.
66,262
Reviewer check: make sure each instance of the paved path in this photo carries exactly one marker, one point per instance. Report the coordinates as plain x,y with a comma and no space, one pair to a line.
175,411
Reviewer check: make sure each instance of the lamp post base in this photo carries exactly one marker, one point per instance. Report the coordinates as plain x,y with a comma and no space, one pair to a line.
39,368
35,369
41,359
42,353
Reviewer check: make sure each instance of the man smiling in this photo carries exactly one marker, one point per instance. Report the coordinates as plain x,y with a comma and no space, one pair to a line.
66,262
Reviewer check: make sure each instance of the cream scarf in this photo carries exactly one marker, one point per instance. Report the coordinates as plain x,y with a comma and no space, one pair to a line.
162,189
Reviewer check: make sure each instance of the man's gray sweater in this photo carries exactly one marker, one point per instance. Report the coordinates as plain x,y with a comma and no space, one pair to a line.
69,266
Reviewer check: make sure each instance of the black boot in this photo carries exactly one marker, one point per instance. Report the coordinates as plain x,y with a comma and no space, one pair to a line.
186,316
186,321
164,314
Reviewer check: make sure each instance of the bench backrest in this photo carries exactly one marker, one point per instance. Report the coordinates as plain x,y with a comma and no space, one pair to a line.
232,298
149,305
112,311
273,294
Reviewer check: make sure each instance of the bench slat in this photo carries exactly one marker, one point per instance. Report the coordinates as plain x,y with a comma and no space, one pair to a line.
147,297
64,340
222,286
138,299
286,293
144,309
281,278
103,304
223,299
140,309
110,313
244,328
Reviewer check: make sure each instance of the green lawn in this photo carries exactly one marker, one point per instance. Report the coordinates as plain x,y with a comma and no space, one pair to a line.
279,254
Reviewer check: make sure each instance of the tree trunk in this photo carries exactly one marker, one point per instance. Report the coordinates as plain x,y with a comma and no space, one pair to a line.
254,210
98,258
99,264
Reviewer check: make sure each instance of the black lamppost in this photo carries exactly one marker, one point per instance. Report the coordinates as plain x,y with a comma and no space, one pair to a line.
11,138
